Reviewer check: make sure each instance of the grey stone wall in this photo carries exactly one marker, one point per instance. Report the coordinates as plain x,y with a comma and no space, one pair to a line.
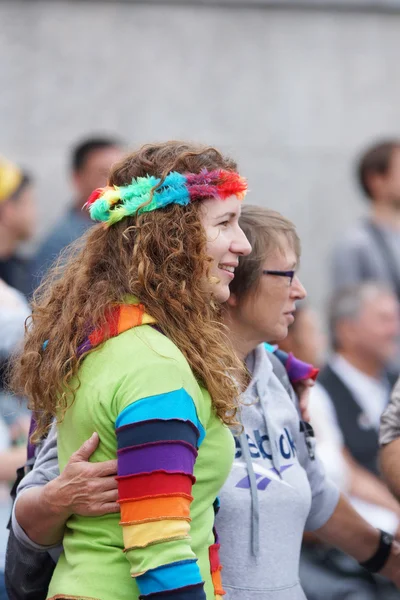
292,94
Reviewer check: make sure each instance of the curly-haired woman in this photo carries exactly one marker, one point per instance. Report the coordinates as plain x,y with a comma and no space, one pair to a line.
127,341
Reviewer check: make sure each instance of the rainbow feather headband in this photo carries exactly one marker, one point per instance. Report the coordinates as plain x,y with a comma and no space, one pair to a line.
111,204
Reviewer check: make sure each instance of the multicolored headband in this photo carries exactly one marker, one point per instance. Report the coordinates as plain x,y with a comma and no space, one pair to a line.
111,204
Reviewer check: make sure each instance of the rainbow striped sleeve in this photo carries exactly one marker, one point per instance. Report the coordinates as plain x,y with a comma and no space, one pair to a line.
158,438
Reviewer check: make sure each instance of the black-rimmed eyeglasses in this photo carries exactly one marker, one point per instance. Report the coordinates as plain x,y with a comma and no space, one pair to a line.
289,274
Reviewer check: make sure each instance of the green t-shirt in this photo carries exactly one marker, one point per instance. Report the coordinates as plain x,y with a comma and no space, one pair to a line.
140,370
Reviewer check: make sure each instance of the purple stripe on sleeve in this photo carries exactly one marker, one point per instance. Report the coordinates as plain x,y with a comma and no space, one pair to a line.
155,457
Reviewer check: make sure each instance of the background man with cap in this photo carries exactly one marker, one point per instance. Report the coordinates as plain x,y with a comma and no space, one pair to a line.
17,224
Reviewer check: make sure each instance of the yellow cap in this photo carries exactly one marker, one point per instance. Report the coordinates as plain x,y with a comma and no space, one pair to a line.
10,178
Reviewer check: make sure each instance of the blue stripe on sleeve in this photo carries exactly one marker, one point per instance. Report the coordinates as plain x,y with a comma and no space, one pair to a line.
166,577
171,405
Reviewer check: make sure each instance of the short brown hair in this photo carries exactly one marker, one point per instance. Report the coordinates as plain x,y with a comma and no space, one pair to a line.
375,161
264,229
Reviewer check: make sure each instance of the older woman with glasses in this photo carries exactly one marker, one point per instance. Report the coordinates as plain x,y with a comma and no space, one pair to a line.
277,488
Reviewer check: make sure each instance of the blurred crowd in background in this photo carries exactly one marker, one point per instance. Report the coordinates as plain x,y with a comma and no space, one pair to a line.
353,338
358,352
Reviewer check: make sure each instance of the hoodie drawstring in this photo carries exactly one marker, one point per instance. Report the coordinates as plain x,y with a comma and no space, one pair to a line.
255,513
261,388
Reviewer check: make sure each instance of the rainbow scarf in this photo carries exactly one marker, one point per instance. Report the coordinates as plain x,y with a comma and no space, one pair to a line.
145,194
119,318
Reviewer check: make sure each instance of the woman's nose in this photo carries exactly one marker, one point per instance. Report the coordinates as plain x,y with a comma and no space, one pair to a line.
298,289
241,244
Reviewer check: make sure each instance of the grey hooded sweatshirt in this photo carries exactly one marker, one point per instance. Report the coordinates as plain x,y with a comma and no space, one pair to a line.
275,490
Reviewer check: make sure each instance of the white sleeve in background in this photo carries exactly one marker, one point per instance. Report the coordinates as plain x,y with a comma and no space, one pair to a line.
12,327
329,437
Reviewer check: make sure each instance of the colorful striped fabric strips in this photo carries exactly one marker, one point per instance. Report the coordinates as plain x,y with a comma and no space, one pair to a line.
158,438
119,318
215,564
216,569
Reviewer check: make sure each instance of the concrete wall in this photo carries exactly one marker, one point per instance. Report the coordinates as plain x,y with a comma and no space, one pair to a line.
292,94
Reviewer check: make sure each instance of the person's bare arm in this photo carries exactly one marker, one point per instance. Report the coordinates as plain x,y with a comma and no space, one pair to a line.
369,487
83,488
349,532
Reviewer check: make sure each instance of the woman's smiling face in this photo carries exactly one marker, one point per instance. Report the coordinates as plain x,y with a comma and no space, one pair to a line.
226,242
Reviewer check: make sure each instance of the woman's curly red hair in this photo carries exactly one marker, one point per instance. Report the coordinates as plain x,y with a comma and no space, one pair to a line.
158,256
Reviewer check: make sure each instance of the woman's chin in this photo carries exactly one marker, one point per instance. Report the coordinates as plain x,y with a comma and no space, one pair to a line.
221,293
280,334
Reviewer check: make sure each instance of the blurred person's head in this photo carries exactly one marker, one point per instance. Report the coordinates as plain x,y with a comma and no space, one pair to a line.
266,287
169,236
379,173
17,207
91,161
305,338
364,324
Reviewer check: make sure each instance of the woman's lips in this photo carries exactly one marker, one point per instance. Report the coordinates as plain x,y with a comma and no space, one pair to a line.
228,269
290,316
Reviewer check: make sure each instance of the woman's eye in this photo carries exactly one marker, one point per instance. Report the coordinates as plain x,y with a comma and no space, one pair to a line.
224,223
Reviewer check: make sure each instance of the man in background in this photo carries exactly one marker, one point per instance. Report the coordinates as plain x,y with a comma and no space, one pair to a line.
371,249
346,404
91,161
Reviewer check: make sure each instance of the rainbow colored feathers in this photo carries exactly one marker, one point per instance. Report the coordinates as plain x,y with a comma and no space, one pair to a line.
144,194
